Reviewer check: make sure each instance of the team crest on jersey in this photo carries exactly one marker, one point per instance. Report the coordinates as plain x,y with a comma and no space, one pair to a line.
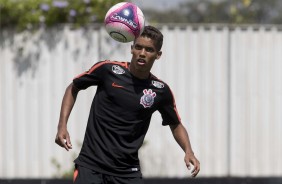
117,69
158,84
147,100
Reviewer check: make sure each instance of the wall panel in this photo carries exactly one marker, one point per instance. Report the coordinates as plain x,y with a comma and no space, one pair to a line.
226,81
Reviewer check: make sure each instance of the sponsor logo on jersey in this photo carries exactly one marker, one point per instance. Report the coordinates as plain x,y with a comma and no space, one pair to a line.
158,84
134,169
147,100
117,69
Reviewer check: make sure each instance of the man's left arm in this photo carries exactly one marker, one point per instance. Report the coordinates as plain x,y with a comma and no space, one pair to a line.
181,136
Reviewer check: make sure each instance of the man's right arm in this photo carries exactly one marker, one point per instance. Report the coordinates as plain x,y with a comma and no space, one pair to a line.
62,137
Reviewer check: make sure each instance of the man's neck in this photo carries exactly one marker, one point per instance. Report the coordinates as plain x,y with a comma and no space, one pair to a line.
138,74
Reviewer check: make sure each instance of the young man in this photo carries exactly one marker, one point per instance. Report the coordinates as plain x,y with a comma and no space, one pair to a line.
127,95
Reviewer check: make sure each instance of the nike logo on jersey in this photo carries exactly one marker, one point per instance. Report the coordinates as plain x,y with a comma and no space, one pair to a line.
116,85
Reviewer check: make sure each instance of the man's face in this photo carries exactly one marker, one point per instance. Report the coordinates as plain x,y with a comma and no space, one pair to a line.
144,53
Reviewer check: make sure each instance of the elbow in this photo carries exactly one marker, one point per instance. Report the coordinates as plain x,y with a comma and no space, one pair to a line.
73,90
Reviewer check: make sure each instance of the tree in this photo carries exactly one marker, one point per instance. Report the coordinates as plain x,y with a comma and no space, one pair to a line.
28,14
225,11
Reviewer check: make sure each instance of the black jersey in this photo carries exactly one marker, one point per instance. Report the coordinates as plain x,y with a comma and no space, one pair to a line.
120,116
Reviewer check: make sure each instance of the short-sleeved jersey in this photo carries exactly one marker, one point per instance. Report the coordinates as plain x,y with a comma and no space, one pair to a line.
119,117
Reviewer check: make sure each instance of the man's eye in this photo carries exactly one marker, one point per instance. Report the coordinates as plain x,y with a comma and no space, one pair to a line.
138,47
150,50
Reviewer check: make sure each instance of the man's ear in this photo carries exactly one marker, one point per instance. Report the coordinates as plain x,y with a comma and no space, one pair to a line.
131,48
159,54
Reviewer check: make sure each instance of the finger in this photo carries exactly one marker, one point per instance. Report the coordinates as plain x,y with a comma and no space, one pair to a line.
68,142
58,141
196,169
195,173
195,166
62,142
65,144
188,165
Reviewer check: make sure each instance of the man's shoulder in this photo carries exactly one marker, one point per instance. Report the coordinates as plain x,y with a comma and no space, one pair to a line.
116,67
158,83
110,63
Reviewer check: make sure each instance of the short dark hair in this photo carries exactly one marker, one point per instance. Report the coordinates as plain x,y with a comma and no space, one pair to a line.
154,34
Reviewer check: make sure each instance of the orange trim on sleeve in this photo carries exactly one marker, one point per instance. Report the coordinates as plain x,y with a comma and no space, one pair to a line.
174,103
75,174
174,106
94,67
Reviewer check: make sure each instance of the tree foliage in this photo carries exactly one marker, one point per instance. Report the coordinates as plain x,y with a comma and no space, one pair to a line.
225,11
28,14
32,14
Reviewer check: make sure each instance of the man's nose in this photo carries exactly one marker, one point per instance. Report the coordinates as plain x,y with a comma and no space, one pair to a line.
142,52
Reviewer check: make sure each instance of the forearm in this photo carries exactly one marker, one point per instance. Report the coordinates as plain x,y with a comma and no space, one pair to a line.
67,105
62,137
182,138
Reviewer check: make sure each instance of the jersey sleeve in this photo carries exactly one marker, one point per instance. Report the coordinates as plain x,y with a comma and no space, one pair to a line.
168,110
92,77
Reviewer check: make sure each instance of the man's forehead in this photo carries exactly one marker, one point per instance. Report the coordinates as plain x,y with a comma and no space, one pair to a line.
145,42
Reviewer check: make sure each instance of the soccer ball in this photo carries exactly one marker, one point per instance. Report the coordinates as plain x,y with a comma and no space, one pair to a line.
124,22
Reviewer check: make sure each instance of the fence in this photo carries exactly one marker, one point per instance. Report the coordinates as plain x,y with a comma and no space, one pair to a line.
226,80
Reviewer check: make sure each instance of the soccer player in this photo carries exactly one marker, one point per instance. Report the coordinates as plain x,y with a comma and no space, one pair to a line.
127,95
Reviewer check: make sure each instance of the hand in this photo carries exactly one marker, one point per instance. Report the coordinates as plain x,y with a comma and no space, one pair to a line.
191,159
63,139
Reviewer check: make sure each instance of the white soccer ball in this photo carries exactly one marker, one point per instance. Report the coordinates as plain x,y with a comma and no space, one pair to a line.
124,22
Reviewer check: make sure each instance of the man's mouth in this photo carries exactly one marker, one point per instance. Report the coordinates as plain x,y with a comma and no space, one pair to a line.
141,61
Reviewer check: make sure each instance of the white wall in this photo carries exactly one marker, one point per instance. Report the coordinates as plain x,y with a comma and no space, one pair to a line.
227,83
